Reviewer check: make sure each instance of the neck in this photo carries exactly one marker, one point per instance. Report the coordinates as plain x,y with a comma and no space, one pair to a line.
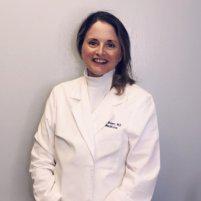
98,87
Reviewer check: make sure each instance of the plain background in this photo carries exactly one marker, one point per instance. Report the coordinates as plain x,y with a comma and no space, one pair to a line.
37,51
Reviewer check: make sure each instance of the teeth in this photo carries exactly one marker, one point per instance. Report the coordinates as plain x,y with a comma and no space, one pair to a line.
99,60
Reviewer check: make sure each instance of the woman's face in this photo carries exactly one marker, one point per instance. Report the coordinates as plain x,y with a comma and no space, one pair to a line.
101,50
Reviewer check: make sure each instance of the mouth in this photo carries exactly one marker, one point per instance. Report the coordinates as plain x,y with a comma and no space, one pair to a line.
100,61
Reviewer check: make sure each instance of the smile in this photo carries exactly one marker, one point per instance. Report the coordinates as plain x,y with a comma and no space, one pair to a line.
99,60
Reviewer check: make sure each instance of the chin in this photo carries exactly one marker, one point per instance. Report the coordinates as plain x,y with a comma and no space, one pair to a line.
97,71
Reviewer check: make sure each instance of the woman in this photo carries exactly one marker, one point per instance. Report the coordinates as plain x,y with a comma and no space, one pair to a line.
98,137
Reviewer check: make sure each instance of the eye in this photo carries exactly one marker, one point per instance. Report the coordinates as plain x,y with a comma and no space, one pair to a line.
93,43
110,45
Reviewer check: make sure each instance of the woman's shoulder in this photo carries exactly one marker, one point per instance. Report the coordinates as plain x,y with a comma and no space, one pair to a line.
67,87
139,98
68,84
136,92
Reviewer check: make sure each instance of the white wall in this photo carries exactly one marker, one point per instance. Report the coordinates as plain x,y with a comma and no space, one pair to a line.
37,51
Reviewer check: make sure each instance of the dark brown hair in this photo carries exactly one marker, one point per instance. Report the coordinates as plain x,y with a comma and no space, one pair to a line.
123,72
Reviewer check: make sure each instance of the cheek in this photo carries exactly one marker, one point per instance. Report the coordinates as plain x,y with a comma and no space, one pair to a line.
86,52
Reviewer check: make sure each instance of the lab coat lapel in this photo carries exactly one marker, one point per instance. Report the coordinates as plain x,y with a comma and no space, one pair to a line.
81,112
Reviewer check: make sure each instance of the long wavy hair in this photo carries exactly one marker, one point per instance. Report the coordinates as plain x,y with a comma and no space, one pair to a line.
123,72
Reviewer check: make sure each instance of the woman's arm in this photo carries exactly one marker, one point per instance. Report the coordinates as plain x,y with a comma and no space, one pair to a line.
143,159
42,157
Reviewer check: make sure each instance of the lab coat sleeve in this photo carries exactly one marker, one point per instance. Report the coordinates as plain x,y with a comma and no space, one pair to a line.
143,159
42,156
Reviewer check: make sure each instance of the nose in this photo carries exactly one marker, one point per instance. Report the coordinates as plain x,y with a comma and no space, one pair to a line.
100,50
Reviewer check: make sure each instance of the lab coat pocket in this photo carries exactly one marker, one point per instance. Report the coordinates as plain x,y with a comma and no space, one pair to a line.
64,148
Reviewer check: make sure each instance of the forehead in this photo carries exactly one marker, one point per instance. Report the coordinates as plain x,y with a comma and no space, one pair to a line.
102,30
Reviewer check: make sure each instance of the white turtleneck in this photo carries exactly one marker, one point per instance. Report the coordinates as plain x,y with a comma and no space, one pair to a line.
98,87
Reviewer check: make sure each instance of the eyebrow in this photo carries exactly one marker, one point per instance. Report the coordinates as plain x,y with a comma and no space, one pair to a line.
92,39
110,40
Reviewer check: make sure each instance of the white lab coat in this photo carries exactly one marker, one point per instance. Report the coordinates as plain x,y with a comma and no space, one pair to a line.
112,155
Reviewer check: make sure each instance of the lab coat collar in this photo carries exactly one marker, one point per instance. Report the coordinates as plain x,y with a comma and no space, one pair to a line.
77,93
